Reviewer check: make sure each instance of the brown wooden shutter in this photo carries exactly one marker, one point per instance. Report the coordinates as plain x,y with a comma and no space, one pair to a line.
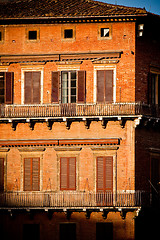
105,173
109,85
72,173
68,173
35,174
28,88
108,173
100,174
27,174
100,85
81,87
31,174
1,174
36,87
9,85
63,173
55,87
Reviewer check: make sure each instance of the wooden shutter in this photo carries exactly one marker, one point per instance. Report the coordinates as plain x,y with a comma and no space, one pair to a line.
28,88
100,85
31,174
72,173
9,84
27,174
100,174
32,87
109,85
68,173
55,87
63,173
108,173
35,174
1,174
104,85
81,87
36,87
105,173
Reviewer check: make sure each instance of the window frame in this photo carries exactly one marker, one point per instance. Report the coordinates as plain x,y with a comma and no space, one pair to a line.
31,180
110,67
68,187
155,86
108,26
31,69
69,87
68,27
2,35
32,40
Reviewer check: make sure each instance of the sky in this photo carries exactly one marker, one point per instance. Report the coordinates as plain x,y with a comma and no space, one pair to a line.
152,6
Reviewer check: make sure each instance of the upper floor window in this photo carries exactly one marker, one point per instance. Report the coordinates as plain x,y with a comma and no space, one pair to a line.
155,90
67,173
31,174
104,32
1,174
32,89
1,35
6,87
68,33
104,85
68,87
33,34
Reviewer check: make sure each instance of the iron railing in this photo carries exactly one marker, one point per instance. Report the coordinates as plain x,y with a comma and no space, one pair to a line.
77,110
70,199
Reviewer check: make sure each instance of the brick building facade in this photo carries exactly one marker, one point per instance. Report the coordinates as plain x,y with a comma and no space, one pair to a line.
79,120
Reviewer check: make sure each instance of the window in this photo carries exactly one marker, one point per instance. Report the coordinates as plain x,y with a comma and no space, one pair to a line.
155,91
69,87
32,35
32,87
105,86
31,174
105,32
104,231
6,87
67,173
68,33
1,174
31,231
72,86
1,35
105,174
67,230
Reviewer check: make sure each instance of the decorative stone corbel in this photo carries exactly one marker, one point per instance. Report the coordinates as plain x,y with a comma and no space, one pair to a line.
104,214
49,124
88,214
104,123
14,125
87,123
123,214
68,214
137,122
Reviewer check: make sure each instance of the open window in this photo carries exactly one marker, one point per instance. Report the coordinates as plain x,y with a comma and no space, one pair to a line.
68,87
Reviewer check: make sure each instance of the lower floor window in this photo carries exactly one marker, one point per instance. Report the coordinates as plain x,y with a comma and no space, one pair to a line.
67,231
104,231
31,231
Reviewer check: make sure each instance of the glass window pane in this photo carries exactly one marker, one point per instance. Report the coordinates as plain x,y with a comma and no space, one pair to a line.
73,91
73,83
64,100
73,99
73,75
104,32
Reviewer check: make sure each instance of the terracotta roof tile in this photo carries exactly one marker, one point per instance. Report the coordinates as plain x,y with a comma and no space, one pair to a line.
64,8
